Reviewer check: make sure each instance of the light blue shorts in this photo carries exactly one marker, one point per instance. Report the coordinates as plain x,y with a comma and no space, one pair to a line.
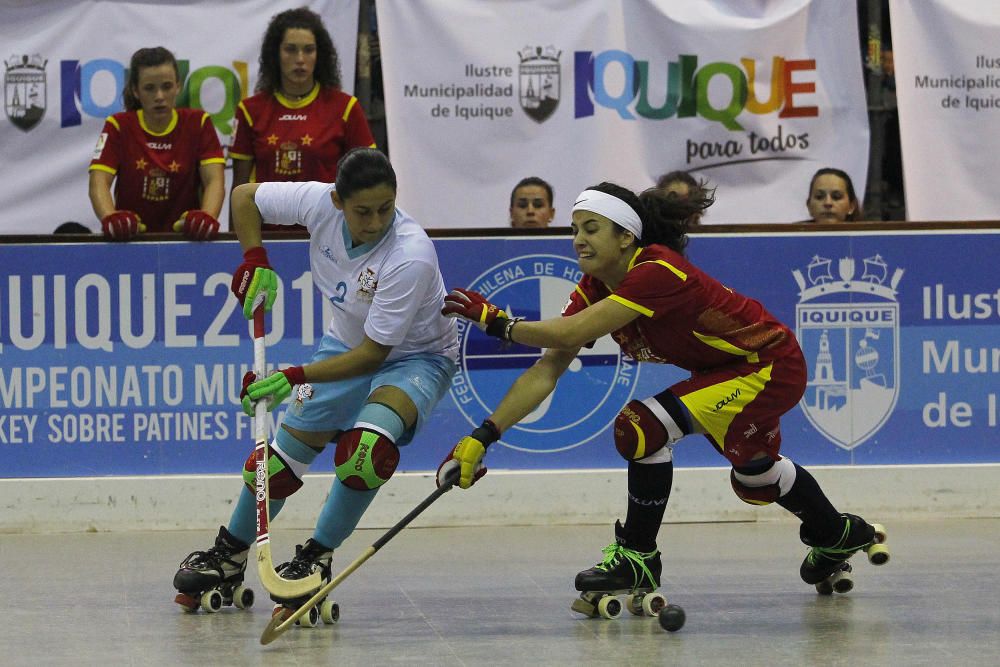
335,405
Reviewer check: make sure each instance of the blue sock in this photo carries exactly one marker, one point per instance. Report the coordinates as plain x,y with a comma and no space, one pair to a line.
345,506
341,513
383,419
243,523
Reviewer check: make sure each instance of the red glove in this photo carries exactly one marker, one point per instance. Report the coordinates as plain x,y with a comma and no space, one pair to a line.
474,307
255,278
197,225
122,225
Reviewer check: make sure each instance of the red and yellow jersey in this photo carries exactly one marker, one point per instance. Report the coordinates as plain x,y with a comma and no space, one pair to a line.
157,173
300,140
687,318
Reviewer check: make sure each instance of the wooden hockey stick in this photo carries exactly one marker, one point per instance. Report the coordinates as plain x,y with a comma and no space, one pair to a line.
272,581
284,619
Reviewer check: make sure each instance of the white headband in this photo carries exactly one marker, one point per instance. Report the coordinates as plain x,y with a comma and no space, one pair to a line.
612,208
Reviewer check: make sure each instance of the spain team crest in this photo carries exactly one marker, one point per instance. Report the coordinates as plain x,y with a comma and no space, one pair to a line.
848,327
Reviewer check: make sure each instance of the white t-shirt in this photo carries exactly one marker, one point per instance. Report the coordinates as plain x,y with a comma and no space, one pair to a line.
391,290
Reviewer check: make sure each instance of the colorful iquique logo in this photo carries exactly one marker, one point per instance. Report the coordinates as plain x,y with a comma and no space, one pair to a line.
589,394
848,327
24,92
687,87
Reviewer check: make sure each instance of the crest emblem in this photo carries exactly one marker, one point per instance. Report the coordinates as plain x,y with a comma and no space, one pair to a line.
539,81
24,91
367,284
849,331
589,395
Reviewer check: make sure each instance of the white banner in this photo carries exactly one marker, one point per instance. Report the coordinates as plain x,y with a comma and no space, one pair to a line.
948,92
753,97
64,70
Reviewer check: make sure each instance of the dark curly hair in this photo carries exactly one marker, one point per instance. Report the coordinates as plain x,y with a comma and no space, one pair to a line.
665,220
148,57
327,72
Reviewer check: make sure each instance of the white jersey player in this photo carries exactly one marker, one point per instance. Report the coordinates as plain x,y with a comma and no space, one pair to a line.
388,356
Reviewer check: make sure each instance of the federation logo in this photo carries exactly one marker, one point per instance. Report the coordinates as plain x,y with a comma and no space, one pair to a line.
24,91
539,81
849,331
589,394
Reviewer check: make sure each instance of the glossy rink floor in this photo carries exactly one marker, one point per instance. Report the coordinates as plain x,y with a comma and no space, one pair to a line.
501,596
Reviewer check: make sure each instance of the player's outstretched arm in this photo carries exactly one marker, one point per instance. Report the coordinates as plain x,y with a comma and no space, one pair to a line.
526,394
571,332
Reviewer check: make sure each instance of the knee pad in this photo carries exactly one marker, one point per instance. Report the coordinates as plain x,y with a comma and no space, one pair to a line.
365,459
282,479
645,427
765,483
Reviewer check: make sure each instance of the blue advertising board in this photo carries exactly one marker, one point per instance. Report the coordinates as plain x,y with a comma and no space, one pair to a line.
127,359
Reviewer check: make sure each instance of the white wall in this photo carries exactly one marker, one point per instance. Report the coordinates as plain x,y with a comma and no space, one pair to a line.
583,497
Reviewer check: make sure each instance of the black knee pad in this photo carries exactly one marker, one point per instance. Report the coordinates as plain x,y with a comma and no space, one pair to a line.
365,459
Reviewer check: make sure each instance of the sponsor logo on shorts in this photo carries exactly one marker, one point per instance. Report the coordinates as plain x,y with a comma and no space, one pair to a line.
589,394
848,326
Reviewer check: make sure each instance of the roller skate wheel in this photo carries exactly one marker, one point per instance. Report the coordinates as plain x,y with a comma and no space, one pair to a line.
841,581
581,606
329,612
243,597
652,603
878,554
188,603
609,607
211,601
309,619
824,587
880,533
633,602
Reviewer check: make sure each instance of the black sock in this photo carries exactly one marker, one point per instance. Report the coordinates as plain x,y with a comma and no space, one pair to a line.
808,502
648,492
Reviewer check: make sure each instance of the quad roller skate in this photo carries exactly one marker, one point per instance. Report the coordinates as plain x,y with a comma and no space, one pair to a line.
827,568
309,557
214,578
623,571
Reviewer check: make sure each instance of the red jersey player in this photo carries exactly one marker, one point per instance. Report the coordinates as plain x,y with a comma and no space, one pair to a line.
299,123
747,370
166,163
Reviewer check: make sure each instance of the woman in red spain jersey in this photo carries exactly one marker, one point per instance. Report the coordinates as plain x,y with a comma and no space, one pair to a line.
747,370
166,164
299,123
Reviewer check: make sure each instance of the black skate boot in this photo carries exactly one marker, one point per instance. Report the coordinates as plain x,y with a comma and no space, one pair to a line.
826,566
213,578
309,558
624,571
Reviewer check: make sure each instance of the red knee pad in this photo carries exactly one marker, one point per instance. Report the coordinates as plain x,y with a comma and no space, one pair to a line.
281,481
638,433
365,459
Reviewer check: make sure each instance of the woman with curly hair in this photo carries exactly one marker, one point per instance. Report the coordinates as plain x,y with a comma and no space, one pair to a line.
299,123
